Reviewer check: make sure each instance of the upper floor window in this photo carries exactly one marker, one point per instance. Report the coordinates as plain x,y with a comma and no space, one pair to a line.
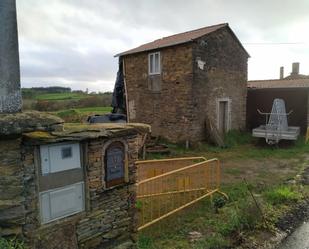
154,65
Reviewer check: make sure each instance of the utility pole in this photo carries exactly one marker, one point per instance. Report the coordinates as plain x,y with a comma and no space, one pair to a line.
10,93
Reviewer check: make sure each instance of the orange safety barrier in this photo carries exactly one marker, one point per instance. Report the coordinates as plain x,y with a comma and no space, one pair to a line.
177,186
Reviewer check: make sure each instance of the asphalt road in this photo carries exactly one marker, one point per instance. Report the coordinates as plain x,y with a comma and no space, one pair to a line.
299,239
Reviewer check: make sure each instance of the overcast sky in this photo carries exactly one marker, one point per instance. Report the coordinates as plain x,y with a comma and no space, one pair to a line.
72,42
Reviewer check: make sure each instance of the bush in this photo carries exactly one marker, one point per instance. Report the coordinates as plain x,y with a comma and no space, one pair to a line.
214,241
70,116
281,195
243,216
234,138
95,101
145,242
11,244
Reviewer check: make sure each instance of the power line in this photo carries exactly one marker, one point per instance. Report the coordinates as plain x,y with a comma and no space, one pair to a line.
275,43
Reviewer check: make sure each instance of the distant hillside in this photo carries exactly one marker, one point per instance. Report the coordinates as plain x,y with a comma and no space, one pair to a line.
31,92
61,98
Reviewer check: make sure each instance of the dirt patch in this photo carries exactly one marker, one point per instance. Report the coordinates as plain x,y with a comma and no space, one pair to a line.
264,171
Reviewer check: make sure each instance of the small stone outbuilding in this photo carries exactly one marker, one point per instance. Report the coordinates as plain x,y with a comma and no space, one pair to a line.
178,82
68,186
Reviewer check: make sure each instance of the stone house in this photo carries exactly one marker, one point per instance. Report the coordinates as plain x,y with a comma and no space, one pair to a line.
178,82
68,186
293,89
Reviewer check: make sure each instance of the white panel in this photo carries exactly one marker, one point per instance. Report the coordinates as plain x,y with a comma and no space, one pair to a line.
45,207
44,151
60,157
59,203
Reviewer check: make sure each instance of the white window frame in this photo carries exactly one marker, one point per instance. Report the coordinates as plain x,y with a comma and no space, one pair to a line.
159,63
229,114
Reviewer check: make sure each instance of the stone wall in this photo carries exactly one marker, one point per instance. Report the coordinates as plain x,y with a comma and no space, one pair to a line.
12,198
224,77
109,218
188,93
168,111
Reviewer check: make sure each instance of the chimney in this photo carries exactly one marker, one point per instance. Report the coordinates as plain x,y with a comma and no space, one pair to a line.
295,68
281,73
10,94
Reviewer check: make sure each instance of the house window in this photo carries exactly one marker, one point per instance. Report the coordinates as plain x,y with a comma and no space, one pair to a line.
114,164
61,181
154,64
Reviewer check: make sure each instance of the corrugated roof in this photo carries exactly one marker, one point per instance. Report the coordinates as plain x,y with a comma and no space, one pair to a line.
284,83
177,39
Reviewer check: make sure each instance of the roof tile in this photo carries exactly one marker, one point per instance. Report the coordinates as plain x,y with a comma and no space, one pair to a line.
175,39
284,83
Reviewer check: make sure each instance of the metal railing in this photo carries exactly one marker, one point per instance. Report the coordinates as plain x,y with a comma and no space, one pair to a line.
165,194
151,168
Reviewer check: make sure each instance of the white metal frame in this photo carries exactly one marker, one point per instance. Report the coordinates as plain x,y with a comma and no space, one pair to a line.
57,189
229,113
149,69
46,171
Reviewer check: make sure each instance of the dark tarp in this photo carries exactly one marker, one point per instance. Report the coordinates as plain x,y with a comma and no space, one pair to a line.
118,100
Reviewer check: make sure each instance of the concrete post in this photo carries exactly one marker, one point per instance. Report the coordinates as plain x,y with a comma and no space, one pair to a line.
10,93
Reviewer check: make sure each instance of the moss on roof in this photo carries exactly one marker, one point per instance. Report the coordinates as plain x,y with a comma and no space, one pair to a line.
79,132
19,123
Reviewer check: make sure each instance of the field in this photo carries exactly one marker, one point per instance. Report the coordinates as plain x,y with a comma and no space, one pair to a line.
81,114
70,106
273,177
60,96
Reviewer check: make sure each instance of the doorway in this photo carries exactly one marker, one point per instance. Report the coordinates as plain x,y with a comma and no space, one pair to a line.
223,119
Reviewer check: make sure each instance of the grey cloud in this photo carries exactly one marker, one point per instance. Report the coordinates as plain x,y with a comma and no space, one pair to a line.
55,33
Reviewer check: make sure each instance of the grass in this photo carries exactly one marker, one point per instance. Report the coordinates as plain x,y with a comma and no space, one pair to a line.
240,146
224,225
96,110
223,229
282,195
215,228
11,243
60,96
80,114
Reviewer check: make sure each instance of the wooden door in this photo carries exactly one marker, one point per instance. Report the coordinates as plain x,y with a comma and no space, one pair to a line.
223,116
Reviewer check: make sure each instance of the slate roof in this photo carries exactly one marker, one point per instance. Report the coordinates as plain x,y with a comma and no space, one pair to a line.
283,83
179,39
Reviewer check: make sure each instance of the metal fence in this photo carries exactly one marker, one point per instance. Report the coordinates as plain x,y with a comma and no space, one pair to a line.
179,185
150,168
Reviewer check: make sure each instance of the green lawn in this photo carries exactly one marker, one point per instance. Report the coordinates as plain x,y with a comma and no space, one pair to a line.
61,96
